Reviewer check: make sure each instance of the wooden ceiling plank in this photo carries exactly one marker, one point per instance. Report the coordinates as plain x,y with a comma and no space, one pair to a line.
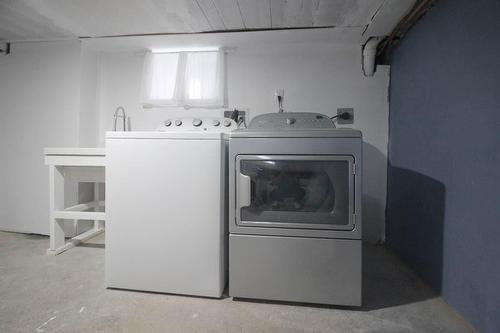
277,13
12,29
27,24
198,21
230,14
187,12
56,12
298,13
30,23
256,13
71,18
344,13
212,15
164,17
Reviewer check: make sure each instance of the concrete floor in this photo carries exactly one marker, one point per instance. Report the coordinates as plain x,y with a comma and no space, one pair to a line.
66,293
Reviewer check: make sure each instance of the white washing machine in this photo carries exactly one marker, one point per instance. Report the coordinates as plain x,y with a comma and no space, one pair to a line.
166,204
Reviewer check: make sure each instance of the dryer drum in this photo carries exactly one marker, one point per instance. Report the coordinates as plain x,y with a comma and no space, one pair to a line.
301,191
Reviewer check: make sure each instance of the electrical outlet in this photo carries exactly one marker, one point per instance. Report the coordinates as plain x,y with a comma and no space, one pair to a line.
241,114
341,121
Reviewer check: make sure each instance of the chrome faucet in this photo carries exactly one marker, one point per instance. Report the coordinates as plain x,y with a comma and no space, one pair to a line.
116,116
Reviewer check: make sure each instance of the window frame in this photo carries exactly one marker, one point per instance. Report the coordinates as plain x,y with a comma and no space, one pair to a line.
180,96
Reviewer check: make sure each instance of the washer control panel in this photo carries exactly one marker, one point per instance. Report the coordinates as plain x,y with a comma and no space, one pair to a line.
198,124
291,120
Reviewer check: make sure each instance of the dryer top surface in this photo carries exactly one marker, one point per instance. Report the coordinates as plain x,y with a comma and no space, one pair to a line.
294,124
291,121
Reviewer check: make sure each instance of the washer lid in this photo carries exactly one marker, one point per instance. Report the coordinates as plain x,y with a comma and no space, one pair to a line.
188,135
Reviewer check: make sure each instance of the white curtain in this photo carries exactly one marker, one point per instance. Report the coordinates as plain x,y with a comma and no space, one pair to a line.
189,79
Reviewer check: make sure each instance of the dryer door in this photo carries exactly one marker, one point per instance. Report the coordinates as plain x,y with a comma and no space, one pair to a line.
290,191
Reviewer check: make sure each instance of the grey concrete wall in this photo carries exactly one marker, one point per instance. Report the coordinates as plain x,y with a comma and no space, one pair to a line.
443,214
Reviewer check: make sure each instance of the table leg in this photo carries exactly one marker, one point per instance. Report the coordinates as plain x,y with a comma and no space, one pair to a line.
97,223
56,178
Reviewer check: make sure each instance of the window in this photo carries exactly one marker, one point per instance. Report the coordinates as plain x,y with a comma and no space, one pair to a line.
163,76
189,79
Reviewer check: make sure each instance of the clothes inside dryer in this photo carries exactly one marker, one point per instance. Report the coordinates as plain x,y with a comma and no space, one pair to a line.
297,191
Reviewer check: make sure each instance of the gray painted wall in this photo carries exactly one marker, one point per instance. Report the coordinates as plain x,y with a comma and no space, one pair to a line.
443,214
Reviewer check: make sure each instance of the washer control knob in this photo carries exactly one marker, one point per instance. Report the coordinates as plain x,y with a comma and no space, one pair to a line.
196,122
215,122
290,121
178,122
167,123
226,123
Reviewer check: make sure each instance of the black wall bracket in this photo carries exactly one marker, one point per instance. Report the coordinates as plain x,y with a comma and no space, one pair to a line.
5,48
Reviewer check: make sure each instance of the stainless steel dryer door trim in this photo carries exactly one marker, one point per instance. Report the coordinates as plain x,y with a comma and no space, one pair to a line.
243,192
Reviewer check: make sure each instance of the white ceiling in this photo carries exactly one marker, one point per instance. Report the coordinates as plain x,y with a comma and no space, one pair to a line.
22,20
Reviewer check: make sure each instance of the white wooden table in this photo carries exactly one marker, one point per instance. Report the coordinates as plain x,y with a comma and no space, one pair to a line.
81,165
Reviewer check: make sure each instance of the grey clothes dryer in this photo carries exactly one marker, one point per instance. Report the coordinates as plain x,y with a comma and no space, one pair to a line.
295,210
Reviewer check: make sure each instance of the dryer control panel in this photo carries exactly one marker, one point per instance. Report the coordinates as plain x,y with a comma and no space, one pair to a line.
291,120
212,124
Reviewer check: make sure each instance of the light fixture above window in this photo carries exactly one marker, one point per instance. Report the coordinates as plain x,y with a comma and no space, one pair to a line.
185,49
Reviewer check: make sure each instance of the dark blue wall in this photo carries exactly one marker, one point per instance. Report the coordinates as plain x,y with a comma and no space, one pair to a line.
443,213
